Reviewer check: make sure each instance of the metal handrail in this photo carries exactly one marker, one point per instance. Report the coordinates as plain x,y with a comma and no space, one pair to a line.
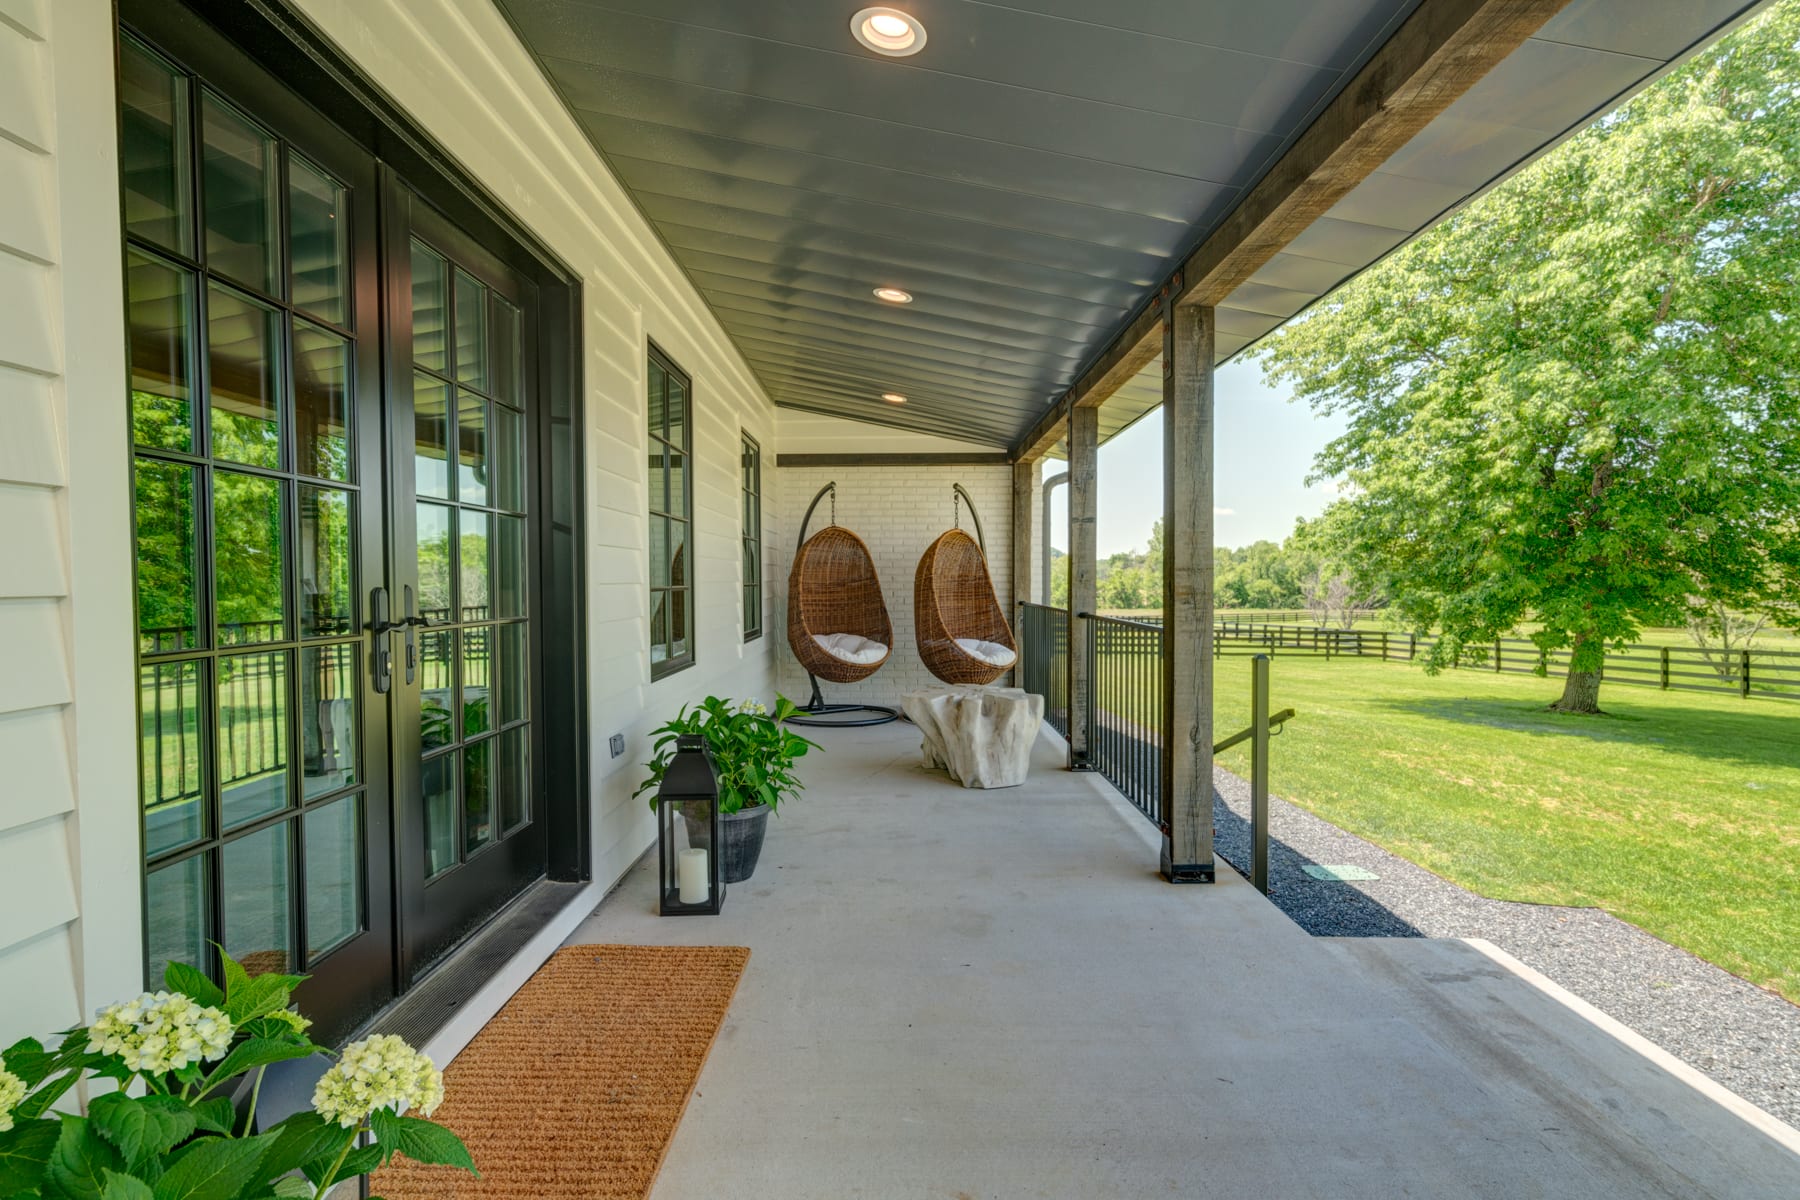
1245,734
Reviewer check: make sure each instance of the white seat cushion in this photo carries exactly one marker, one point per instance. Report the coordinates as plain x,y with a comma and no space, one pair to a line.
991,653
851,648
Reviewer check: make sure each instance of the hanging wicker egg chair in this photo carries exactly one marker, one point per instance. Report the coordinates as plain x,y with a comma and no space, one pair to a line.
838,624
962,630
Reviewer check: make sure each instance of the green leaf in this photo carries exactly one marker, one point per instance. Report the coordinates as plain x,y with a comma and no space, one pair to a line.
141,1128
256,1052
80,1160
61,1069
214,1168
248,997
422,1140
235,976
215,1115
359,1161
180,977
258,997
25,1153
301,1139
28,1059
295,1186
124,1187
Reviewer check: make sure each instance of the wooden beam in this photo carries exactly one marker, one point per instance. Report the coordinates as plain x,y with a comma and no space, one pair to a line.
998,458
1187,726
1437,55
1441,51
1050,429
1084,478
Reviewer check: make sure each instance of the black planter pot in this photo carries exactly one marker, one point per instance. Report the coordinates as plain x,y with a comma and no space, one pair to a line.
742,833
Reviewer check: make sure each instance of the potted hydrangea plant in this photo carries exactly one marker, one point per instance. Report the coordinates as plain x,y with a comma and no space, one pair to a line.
755,756
176,1122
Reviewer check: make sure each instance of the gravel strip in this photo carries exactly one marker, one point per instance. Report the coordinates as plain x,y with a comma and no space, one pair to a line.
1744,1037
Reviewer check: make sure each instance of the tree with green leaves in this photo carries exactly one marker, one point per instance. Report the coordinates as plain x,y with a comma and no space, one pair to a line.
1575,401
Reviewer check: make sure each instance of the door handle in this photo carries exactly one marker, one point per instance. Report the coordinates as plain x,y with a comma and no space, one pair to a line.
381,657
411,620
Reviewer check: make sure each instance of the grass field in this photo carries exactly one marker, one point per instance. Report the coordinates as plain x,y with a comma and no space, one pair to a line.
1679,813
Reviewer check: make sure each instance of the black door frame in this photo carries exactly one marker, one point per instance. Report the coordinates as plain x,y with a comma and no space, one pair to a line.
240,44
436,913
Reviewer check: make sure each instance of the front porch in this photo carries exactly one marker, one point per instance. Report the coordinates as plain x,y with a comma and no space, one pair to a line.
987,994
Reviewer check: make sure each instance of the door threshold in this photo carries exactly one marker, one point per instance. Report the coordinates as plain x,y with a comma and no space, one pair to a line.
437,999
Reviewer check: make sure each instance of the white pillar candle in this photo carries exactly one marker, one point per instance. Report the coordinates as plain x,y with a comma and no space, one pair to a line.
693,876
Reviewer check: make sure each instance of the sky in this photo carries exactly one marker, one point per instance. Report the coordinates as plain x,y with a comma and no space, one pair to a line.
1263,451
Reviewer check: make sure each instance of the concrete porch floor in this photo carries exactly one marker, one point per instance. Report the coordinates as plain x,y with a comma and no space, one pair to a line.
990,994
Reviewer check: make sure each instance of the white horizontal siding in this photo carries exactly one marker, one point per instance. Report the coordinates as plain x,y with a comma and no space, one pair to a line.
31,451
34,746
68,825
35,862
37,870
31,543
25,215
39,991
27,16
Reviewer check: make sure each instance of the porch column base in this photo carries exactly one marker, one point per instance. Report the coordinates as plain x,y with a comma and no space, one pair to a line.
1185,872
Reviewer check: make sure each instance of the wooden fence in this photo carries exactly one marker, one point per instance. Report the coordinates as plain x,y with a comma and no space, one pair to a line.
1771,674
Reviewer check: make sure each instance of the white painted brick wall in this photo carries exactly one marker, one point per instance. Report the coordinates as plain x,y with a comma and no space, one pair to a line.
898,511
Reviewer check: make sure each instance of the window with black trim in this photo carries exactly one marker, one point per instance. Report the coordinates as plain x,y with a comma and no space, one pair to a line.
751,459
671,520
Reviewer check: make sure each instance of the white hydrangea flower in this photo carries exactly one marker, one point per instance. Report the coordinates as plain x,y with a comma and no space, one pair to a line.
292,1019
12,1090
378,1072
160,1032
753,706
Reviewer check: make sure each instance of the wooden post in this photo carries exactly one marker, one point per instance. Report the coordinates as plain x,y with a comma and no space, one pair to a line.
1187,725
1744,678
1024,524
1665,668
1024,478
1084,478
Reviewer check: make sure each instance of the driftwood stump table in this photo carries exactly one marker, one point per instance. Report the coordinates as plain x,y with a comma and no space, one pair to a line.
982,735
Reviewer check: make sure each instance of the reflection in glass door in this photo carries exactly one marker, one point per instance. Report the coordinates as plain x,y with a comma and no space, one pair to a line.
331,401
255,375
469,839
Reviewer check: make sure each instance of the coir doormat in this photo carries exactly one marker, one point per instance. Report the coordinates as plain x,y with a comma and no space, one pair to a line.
573,1091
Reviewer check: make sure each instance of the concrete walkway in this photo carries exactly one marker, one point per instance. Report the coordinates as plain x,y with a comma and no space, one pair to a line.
1744,1037
967,994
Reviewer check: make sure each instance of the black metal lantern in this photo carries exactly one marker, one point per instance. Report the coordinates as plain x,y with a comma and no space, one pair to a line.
691,879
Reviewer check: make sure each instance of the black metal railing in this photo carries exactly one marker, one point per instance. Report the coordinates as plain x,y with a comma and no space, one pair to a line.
1044,660
1125,708
249,732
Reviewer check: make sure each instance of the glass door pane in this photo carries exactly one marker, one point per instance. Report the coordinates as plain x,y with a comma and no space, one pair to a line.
264,782
469,840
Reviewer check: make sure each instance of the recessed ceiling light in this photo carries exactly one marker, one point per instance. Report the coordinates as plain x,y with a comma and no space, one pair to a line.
888,31
893,397
893,295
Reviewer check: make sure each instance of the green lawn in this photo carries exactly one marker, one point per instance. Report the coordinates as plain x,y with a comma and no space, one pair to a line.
1679,813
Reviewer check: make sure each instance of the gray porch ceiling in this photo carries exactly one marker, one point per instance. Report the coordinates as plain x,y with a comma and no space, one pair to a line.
1030,174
